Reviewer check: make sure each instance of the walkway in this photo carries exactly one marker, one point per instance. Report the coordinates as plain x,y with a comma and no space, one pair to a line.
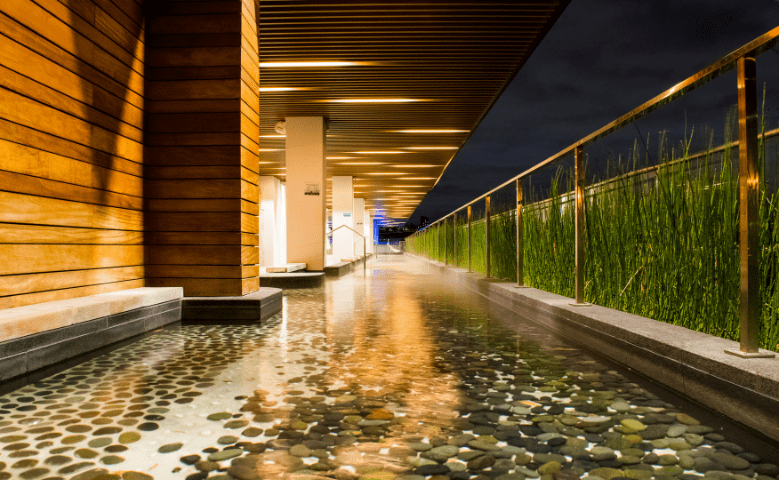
392,375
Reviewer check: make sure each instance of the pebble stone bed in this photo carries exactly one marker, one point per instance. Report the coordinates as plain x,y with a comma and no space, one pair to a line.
398,379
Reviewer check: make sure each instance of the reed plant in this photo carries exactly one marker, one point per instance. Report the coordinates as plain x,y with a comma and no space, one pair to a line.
661,243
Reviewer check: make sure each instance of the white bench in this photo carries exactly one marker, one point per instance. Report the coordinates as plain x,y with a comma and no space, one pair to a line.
289,268
41,335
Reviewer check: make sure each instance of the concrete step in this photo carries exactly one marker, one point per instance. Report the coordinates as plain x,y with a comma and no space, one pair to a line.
253,307
298,279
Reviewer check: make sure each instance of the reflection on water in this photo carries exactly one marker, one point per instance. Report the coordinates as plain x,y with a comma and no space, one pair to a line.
394,375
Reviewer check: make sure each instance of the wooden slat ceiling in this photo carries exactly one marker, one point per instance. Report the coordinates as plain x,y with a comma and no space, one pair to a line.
453,58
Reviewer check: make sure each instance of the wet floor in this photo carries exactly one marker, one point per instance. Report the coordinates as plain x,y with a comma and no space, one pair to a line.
394,375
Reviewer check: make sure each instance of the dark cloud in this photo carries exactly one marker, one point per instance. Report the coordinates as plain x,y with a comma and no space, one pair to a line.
600,60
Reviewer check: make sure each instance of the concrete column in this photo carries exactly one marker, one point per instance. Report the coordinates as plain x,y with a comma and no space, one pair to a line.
359,209
273,231
305,161
368,230
343,196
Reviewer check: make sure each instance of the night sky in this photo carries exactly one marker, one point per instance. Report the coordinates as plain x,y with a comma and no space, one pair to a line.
601,59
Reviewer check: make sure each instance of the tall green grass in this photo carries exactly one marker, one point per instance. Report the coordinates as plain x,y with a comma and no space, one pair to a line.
663,244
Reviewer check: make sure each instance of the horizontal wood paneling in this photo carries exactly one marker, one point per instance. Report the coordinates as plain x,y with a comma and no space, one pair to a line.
205,287
71,148
42,282
201,180
33,258
65,293
202,238
202,271
14,233
46,142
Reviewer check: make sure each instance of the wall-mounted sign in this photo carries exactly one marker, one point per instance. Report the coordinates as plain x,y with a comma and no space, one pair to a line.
347,214
312,189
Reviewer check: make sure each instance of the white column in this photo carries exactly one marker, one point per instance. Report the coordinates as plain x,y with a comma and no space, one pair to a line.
269,203
343,195
305,159
359,209
280,240
368,230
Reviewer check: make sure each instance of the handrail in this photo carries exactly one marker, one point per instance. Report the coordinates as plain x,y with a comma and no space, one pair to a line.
365,250
714,70
744,60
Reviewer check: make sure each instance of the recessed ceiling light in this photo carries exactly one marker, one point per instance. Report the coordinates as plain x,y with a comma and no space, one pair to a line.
431,148
403,165
358,164
373,100
270,149
309,64
431,130
280,89
380,152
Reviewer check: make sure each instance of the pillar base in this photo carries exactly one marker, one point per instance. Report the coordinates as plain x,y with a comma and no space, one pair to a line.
741,354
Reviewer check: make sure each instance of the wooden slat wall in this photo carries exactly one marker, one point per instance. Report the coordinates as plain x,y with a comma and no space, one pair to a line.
71,148
201,180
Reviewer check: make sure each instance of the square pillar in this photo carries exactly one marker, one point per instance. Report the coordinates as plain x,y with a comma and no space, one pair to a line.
359,210
368,230
343,205
201,195
273,229
305,162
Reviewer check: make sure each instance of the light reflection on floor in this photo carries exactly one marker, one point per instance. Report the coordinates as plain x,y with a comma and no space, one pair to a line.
390,375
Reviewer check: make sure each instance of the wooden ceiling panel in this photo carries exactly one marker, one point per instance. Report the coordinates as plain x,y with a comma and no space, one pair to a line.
453,57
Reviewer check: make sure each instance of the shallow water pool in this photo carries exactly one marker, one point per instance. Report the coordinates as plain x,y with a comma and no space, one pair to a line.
390,375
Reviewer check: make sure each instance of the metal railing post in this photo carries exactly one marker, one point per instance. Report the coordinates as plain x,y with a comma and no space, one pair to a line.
468,222
749,247
487,236
519,232
579,226
455,239
444,232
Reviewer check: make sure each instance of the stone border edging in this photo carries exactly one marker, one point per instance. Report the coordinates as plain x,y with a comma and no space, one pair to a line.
258,305
24,355
692,363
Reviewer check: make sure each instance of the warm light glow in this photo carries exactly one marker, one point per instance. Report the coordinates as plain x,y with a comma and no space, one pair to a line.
309,64
266,163
358,164
280,89
431,148
414,166
338,158
418,178
272,136
270,149
380,152
384,173
431,130
372,100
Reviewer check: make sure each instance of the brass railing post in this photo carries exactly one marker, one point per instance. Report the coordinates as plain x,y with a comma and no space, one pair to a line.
519,237
749,247
468,222
455,239
579,226
487,236
444,233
